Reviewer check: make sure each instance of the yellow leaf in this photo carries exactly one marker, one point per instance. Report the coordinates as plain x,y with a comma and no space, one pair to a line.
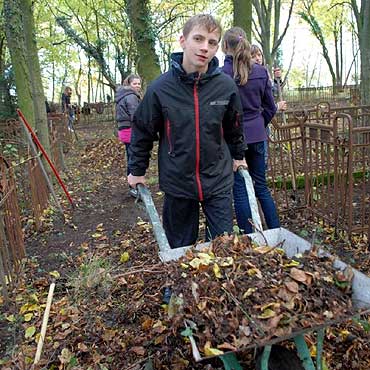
292,263
255,271
209,351
24,308
216,270
28,316
30,331
55,274
195,263
100,227
273,305
264,249
184,265
267,314
34,297
33,307
124,257
249,292
225,261
205,256
28,360
96,235
10,318
344,334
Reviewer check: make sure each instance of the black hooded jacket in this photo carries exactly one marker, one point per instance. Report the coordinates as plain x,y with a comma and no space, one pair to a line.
196,120
127,101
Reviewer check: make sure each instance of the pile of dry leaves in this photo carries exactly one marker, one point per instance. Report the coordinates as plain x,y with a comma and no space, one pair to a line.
235,294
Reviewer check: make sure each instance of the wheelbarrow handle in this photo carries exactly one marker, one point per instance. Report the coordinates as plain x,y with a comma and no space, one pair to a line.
159,233
251,197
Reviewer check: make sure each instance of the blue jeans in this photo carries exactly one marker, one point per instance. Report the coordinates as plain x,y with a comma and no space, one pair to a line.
255,157
266,146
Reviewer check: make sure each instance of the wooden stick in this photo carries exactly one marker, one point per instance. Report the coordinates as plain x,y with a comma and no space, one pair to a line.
40,344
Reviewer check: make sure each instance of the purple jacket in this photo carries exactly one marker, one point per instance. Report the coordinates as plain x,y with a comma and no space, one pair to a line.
257,101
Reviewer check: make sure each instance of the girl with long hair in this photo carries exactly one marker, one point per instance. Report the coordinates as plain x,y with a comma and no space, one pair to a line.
259,108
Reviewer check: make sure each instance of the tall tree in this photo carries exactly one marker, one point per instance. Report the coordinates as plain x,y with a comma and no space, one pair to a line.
362,16
38,96
93,50
243,16
270,38
16,43
6,108
148,63
326,22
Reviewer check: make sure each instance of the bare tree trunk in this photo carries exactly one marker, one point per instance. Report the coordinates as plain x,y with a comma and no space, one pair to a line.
243,16
270,40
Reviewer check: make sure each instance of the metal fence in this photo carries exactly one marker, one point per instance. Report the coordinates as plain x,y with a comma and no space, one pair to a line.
310,96
23,182
11,235
320,159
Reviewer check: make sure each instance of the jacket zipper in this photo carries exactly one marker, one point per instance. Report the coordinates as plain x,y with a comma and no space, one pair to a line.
197,142
168,133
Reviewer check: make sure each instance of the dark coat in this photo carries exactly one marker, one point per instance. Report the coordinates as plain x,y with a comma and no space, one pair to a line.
196,120
127,101
257,101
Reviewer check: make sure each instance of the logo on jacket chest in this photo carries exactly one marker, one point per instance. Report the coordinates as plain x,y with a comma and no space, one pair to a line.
219,102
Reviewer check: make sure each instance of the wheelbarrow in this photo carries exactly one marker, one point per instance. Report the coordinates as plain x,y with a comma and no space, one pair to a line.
292,245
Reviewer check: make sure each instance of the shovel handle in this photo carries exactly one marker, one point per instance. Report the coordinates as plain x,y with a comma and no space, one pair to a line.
251,197
159,233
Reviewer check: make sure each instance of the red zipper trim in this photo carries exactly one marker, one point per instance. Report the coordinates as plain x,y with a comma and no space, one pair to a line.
197,143
168,133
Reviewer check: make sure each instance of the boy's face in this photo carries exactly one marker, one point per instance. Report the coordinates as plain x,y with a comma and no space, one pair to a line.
199,46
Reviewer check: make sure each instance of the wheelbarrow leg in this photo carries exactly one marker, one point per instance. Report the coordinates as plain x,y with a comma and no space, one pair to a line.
230,362
303,352
265,358
319,348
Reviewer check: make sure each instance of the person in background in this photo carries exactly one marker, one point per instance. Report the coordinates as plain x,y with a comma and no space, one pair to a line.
254,86
127,100
67,107
258,57
194,111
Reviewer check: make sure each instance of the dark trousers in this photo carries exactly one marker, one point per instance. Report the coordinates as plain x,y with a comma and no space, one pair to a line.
128,156
181,218
255,157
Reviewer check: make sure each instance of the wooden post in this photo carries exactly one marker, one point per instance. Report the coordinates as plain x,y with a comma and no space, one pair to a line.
40,343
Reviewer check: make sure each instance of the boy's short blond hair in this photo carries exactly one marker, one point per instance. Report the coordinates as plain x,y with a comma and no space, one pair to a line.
207,21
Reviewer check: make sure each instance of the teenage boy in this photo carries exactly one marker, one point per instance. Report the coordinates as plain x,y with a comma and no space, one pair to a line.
194,110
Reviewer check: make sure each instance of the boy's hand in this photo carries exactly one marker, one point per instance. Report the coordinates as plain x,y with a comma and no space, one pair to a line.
134,180
239,163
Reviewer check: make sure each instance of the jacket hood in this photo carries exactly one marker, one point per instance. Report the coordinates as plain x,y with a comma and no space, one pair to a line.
123,91
176,64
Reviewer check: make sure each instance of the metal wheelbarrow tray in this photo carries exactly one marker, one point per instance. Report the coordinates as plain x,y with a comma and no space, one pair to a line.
292,245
